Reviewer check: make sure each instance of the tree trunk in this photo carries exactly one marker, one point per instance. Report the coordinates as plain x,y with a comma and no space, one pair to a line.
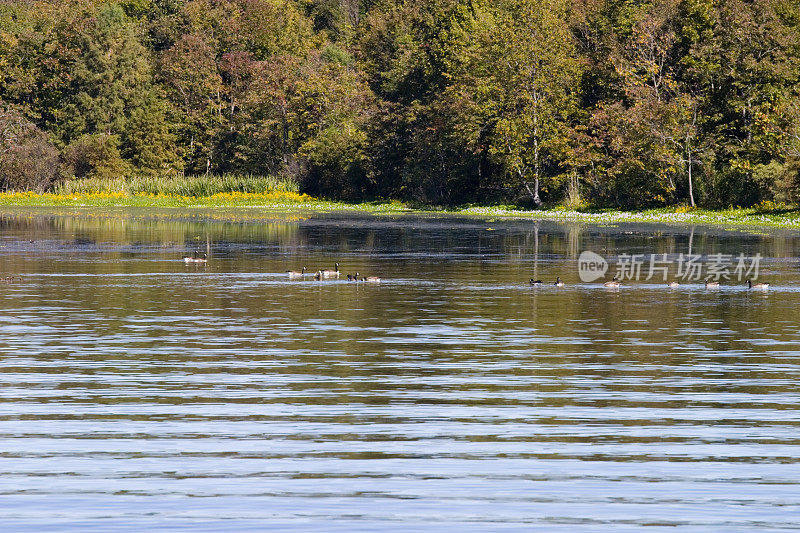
534,194
689,163
536,165
573,189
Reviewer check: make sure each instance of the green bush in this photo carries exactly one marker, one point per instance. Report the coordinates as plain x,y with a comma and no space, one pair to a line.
95,156
779,182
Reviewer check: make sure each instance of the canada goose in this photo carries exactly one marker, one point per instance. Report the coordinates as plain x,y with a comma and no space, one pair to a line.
712,284
761,286
351,277
372,279
673,284
614,283
558,282
330,273
293,274
195,258
536,281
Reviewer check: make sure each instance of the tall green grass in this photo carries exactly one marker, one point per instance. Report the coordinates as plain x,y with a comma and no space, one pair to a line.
198,186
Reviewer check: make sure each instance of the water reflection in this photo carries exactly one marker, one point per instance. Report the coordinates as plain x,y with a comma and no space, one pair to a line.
139,392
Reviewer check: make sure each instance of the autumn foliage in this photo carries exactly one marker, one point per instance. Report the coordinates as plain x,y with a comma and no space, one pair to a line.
585,102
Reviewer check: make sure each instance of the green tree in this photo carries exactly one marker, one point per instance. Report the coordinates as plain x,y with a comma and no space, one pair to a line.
148,139
756,51
659,128
268,28
330,109
39,45
265,140
514,69
189,71
112,93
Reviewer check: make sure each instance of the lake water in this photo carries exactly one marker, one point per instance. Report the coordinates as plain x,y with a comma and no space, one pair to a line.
142,393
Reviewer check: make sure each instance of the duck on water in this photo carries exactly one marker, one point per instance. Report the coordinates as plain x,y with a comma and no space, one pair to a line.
330,273
195,258
293,274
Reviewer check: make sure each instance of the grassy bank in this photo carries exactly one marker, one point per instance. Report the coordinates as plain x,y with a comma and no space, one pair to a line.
281,199
770,215
189,186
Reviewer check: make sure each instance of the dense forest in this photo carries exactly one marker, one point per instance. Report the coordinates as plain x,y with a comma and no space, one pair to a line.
625,103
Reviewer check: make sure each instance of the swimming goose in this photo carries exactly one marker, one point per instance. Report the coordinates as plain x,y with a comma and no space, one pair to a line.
712,284
536,281
558,282
614,283
761,286
371,279
673,284
293,274
330,273
195,258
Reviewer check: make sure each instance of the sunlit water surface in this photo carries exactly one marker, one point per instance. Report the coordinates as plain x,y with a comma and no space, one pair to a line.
142,393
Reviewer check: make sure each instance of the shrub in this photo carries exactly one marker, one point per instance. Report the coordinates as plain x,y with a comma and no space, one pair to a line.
779,181
28,161
95,156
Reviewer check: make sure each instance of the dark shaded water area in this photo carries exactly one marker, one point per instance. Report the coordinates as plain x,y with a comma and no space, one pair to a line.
142,393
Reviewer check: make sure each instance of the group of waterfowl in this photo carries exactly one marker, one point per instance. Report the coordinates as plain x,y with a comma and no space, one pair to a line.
331,274
196,257
616,283
558,282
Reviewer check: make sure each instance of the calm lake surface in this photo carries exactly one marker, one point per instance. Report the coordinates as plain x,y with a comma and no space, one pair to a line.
142,393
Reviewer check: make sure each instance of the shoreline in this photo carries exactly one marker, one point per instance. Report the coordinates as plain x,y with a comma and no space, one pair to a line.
771,215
